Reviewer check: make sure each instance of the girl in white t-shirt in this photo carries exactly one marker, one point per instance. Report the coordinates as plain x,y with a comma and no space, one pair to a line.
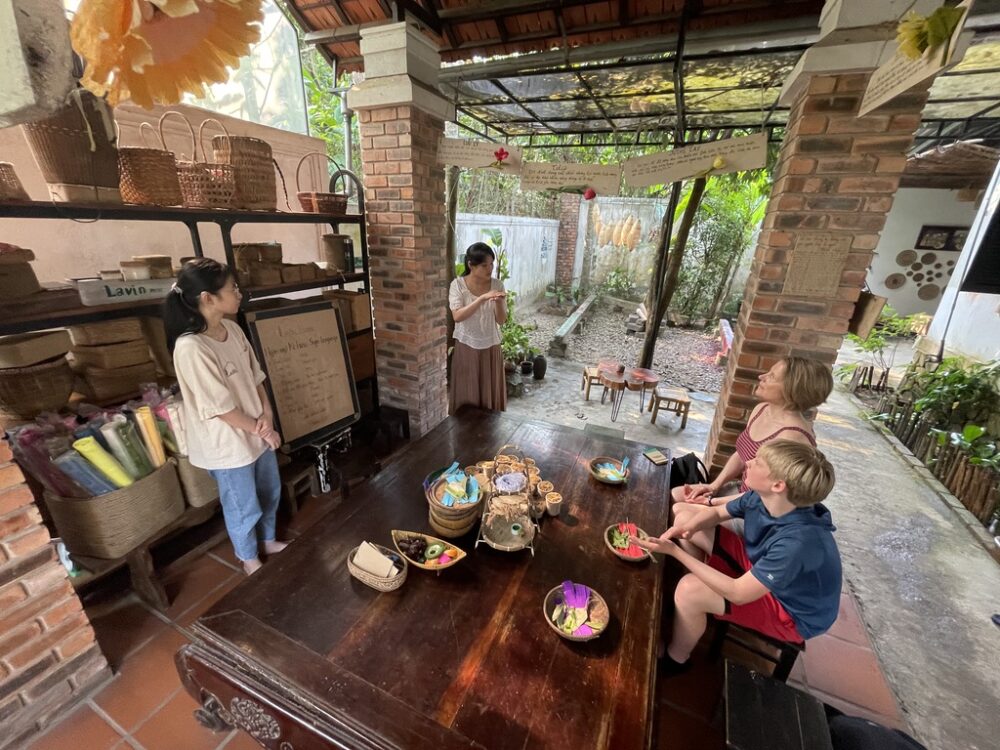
478,303
227,412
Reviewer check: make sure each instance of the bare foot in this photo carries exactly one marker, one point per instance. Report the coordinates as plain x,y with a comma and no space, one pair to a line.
274,547
252,566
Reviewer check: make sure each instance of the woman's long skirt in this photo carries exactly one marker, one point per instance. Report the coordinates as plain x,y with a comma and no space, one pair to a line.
477,378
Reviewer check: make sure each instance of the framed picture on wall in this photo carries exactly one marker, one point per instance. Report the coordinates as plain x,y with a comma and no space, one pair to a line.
941,238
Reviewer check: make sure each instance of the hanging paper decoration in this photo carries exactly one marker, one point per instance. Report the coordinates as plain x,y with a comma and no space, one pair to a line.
599,179
155,51
701,160
917,34
461,152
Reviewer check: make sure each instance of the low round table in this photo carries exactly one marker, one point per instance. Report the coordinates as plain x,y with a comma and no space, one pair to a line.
616,385
639,379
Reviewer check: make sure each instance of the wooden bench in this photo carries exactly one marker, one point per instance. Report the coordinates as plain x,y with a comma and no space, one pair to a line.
558,345
670,399
781,653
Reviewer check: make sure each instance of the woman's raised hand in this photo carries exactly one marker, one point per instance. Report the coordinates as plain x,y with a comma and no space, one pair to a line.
699,494
492,295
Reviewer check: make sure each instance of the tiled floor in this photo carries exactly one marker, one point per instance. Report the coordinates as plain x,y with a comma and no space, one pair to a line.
145,706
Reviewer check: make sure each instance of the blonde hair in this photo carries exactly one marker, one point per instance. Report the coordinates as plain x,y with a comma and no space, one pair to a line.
807,383
807,475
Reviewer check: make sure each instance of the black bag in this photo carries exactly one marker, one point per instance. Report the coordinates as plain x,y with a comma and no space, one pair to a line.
687,469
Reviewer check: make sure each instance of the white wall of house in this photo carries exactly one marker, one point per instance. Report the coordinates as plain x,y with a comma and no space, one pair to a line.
974,327
913,208
531,243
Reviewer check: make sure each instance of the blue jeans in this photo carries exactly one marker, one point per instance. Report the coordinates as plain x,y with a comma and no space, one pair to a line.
250,496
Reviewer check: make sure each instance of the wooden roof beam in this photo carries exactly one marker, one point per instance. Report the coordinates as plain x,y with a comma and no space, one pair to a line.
419,13
482,10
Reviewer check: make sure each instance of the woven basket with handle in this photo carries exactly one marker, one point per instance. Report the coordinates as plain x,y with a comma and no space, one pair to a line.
11,188
315,202
253,168
25,392
148,176
203,184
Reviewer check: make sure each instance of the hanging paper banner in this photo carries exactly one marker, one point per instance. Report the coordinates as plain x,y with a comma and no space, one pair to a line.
717,157
461,152
901,73
603,179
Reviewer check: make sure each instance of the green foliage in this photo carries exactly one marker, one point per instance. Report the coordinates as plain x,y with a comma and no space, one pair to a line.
974,442
619,284
326,118
955,394
881,342
514,342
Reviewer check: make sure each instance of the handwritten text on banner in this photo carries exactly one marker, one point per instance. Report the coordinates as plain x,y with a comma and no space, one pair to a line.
738,154
605,179
461,152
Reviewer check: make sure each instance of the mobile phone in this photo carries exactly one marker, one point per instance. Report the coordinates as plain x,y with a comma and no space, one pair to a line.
655,456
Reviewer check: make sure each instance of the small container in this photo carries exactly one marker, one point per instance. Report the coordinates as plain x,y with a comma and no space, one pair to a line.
553,503
135,270
487,468
530,462
516,529
111,275
544,488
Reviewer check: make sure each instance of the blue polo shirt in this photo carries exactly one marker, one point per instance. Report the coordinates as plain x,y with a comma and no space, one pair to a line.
796,558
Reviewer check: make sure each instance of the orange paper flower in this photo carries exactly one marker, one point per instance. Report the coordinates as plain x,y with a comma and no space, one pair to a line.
155,51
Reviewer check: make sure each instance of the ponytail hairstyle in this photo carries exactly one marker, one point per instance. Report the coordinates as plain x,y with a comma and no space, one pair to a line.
476,254
180,310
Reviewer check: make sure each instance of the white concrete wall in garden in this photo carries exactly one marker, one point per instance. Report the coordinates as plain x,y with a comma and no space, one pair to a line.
530,242
897,257
974,328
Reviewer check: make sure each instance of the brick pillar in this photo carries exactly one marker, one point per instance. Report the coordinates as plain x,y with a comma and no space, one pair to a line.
401,118
835,180
569,226
48,654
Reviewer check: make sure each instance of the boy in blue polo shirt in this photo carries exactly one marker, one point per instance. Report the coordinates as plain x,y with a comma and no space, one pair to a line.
779,575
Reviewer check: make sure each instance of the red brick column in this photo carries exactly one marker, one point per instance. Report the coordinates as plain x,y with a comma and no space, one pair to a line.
569,226
837,175
405,203
48,654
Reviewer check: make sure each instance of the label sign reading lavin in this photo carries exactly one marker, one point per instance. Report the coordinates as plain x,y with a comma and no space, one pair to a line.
96,292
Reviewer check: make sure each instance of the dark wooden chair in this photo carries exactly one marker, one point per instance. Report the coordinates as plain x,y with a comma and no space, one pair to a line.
781,653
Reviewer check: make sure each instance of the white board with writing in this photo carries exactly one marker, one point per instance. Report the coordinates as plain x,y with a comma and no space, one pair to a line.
603,179
736,155
462,152
304,353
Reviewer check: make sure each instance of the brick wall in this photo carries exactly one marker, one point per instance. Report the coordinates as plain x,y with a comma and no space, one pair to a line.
837,174
405,204
569,224
48,654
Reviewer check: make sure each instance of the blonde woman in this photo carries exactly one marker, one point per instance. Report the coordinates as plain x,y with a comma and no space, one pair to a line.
789,393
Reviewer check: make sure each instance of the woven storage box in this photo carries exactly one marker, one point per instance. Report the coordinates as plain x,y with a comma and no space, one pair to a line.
110,526
111,332
156,337
105,385
253,169
11,188
25,392
26,349
316,202
148,177
110,356
198,486
203,184
376,582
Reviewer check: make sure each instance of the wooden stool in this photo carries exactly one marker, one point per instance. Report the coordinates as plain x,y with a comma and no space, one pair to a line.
298,481
591,375
783,661
670,399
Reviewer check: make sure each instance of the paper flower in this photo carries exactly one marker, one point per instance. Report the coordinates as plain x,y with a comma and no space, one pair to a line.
155,51
917,34
501,155
717,163
589,194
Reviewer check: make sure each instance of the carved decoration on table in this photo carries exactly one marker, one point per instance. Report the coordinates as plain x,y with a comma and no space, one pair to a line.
250,716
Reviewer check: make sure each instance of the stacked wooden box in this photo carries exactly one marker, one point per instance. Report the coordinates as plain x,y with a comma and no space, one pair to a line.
261,264
112,357
17,277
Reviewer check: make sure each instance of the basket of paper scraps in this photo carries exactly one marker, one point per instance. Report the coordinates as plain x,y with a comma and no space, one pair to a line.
576,612
454,498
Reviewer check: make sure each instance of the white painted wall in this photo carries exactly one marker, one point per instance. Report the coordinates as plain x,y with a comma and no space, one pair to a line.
974,329
913,208
531,243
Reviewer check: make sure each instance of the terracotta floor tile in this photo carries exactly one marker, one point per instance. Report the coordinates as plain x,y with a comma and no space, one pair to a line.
849,672
894,721
123,626
849,626
174,726
145,682
241,741
677,730
194,582
188,618
81,729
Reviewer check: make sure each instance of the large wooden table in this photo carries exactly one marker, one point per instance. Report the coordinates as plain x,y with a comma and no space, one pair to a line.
302,655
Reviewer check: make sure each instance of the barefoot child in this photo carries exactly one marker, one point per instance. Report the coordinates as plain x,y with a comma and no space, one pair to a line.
227,412
782,577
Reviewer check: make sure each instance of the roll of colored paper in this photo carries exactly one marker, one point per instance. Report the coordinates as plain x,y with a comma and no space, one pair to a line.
91,450
175,410
81,471
129,462
133,443
150,435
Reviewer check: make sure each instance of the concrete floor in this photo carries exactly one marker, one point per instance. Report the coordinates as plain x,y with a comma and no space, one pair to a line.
925,585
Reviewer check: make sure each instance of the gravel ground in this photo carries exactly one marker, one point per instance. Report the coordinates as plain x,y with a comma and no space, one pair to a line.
683,357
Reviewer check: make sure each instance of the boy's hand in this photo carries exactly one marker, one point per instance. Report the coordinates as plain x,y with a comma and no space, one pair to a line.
687,524
698,494
666,546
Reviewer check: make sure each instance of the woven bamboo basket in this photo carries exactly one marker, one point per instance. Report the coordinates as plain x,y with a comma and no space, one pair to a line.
377,582
197,484
110,526
253,168
618,553
108,332
203,184
148,176
397,535
11,188
76,145
595,604
451,529
25,392
110,356
315,202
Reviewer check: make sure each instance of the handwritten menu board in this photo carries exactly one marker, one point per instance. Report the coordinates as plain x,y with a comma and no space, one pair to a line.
605,179
737,154
462,152
816,264
304,353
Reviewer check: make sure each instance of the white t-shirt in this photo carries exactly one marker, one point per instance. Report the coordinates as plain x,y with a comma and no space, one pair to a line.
216,377
479,330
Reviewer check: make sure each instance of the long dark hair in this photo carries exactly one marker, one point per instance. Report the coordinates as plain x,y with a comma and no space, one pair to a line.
180,310
476,254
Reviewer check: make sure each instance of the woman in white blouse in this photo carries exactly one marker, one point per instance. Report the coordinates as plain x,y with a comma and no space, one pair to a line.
478,303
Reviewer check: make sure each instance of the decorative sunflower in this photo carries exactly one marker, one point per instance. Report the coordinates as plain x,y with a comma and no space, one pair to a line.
916,34
155,51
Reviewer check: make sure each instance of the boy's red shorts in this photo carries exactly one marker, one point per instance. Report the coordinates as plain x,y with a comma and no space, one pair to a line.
766,615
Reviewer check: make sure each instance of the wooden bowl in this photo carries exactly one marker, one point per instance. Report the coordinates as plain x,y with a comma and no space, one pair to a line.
608,460
618,553
554,598
397,535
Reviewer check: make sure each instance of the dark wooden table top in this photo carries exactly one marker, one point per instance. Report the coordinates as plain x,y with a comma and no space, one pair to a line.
463,659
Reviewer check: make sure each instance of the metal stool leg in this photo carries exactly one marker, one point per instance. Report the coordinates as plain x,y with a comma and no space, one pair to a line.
616,403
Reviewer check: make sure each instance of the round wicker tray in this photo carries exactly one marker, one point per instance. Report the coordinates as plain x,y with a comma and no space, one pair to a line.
617,553
592,466
554,598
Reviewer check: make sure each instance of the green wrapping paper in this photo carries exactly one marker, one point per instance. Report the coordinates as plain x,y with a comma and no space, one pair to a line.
128,452
91,450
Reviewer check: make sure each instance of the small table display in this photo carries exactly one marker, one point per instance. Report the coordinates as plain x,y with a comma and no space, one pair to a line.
616,379
504,649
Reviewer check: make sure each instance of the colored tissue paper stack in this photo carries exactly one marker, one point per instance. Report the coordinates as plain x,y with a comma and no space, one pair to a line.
578,613
460,488
620,538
